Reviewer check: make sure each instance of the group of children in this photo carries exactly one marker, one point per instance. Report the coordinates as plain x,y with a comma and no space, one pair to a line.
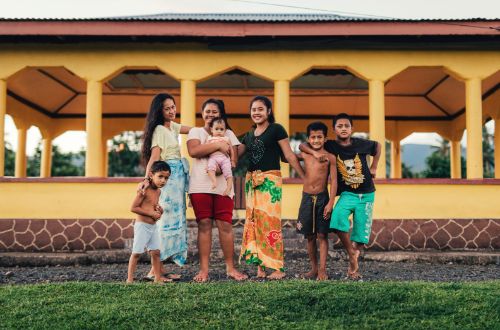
344,160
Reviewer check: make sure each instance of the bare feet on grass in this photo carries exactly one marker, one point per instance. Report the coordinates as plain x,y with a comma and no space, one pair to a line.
162,280
353,270
236,275
261,273
310,274
201,277
276,275
322,275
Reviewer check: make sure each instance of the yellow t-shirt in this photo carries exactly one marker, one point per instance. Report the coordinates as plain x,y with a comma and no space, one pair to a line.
168,141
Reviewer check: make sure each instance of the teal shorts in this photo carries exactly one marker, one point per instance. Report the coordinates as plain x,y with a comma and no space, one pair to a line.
361,205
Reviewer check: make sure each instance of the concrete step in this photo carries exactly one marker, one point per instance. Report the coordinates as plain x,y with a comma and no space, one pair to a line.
37,259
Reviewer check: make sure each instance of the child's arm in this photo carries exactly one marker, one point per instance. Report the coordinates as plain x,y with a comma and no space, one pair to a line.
291,157
373,167
300,156
304,147
184,129
233,154
333,186
241,150
138,209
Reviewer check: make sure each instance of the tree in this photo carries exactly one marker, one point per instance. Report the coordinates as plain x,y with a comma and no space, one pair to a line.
124,156
63,164
438,163
10,160
488,154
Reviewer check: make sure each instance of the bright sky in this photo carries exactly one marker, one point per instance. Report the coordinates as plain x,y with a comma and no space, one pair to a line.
74,141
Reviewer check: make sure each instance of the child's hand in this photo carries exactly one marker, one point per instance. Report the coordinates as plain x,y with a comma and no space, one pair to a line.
142,186
320,156
328,210
373,171
156,215
224,147
233,164
159,208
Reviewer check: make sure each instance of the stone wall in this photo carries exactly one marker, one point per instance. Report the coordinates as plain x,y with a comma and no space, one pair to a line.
81,235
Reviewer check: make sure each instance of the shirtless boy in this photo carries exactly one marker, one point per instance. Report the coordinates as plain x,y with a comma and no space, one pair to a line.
316,205
146,237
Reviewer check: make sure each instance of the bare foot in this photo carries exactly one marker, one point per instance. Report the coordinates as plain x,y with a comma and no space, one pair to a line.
276,275
354,276
130,281
163,280
353,263
310,275
322,276
201,277
174,277
236,275
261,273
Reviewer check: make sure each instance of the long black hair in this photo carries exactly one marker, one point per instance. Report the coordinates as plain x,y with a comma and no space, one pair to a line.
222,109
154,118
269,105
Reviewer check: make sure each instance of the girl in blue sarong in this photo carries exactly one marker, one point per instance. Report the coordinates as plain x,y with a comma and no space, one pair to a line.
161,142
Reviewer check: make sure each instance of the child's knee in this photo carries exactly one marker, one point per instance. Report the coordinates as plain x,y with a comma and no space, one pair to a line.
154,253
311,237
322,236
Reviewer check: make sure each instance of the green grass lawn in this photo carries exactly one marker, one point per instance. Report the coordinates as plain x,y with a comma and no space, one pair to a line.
287,305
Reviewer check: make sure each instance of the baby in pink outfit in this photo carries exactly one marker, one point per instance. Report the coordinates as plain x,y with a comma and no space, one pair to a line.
225,163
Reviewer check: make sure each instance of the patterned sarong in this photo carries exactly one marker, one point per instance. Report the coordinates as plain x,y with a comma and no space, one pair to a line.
172,224
262,240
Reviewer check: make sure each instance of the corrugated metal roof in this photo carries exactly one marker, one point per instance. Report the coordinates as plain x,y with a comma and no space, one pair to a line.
248,17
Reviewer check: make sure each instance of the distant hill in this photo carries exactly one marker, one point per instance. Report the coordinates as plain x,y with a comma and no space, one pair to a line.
414,155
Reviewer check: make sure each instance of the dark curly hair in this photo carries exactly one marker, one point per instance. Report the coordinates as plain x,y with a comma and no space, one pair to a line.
154,118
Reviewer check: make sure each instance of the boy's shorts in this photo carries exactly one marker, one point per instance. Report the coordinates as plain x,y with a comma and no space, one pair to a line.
146,237
311,220
362,207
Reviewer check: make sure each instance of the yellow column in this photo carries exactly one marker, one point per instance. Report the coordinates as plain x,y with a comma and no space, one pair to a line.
188,111
455,159
497,147
395,159
45,165
3,111
20,171
93,159
282,113
473,124
377,120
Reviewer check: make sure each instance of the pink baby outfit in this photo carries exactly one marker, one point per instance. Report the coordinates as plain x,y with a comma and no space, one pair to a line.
218,158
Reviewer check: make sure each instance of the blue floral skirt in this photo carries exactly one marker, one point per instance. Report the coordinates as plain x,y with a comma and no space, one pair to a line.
172,224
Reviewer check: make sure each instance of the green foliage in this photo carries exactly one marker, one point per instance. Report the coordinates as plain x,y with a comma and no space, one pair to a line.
488,154
10,160
406,172
125,157
292,304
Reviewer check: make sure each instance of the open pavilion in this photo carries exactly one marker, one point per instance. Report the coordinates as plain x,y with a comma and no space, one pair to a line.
396,77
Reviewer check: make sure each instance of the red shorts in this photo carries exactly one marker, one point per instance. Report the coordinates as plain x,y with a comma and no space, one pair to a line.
212,206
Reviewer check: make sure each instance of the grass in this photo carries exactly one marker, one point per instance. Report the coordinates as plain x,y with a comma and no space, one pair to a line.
229,305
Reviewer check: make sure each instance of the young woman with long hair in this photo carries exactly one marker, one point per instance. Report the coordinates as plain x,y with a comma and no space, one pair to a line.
161,142
262,244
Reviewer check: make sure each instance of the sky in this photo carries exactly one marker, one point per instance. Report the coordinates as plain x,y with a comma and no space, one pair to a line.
74,141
